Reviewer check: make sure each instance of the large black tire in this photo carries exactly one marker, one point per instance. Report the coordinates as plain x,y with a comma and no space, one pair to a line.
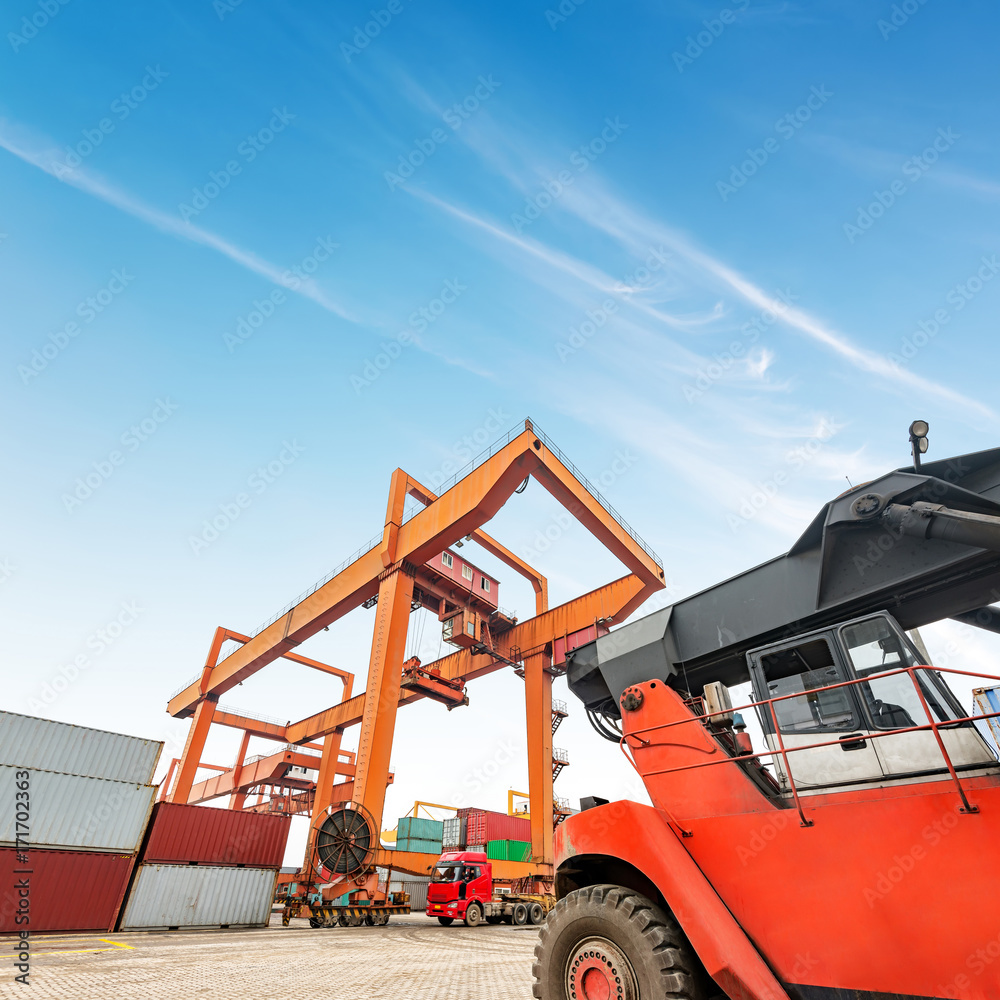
535,913
520,914
610,941
446,921
473,915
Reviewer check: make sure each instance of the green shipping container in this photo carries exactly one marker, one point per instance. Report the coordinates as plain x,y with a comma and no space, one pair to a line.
508,850
417,828
518,850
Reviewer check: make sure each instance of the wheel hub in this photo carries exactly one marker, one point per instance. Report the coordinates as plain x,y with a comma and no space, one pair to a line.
599,970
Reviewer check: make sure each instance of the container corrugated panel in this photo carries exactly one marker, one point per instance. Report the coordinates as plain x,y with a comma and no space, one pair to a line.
453,832
421,846
508,850
518,850
418,828
182,833
500,826
56,746
165,896
476,827
69,890
77,813
418,895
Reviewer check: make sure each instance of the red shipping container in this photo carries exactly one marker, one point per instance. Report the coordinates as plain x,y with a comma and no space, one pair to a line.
500,826
486,826
183,834
68,890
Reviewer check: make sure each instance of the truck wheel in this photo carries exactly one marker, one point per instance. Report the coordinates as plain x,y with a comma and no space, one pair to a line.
607,941
446,921
473,915
315,922
535,913
520,915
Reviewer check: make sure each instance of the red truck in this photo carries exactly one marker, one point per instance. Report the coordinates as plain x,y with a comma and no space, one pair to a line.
462,888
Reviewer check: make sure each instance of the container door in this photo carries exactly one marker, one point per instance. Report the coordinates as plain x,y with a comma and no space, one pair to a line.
876,645
799,668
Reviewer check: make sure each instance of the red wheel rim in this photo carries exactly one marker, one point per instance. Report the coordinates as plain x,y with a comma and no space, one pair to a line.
599,970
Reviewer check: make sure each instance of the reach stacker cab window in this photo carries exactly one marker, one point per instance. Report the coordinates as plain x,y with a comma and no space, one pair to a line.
846,718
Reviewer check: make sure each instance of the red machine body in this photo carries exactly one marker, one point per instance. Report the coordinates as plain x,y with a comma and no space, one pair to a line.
849,849
875,895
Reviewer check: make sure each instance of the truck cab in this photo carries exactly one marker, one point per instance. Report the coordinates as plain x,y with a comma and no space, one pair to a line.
459,878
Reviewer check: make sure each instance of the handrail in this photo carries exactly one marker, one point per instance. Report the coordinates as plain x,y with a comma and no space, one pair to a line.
784,751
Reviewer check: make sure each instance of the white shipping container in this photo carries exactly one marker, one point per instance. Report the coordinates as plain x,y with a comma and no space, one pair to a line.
166,896
453,832
56,746
76,813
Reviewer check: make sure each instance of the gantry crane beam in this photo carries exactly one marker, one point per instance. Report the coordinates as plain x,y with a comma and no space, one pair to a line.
539,583
263,728
614,601
462,510
207,711
268,770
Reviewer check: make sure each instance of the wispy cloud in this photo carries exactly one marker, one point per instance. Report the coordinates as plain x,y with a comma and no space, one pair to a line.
44,156
602,210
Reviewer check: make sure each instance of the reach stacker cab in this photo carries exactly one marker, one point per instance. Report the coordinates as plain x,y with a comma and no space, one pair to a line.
462,888
852,848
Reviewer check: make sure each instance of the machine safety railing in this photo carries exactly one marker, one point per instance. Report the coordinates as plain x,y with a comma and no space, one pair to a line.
768,704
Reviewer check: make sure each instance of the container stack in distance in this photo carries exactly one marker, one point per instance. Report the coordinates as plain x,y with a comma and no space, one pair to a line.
206,867
88,795
483,826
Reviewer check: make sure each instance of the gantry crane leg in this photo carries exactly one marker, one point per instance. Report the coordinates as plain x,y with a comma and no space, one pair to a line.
194,747
538,708
378,723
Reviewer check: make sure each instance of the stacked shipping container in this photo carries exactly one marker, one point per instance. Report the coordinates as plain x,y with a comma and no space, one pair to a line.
414,833
86,798
453,834
206,867
508,850
483,826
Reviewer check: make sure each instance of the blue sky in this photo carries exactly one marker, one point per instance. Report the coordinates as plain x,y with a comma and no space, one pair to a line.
706,248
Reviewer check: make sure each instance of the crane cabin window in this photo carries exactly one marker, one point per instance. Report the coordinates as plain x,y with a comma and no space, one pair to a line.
447,559
467,572
800,670
485,584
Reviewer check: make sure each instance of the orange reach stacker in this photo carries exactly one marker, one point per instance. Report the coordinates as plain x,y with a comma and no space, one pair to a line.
854,854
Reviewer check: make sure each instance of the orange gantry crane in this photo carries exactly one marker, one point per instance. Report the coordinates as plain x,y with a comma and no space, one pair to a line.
402,569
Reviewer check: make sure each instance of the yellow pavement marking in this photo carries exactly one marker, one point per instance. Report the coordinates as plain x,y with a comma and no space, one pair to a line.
80,951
